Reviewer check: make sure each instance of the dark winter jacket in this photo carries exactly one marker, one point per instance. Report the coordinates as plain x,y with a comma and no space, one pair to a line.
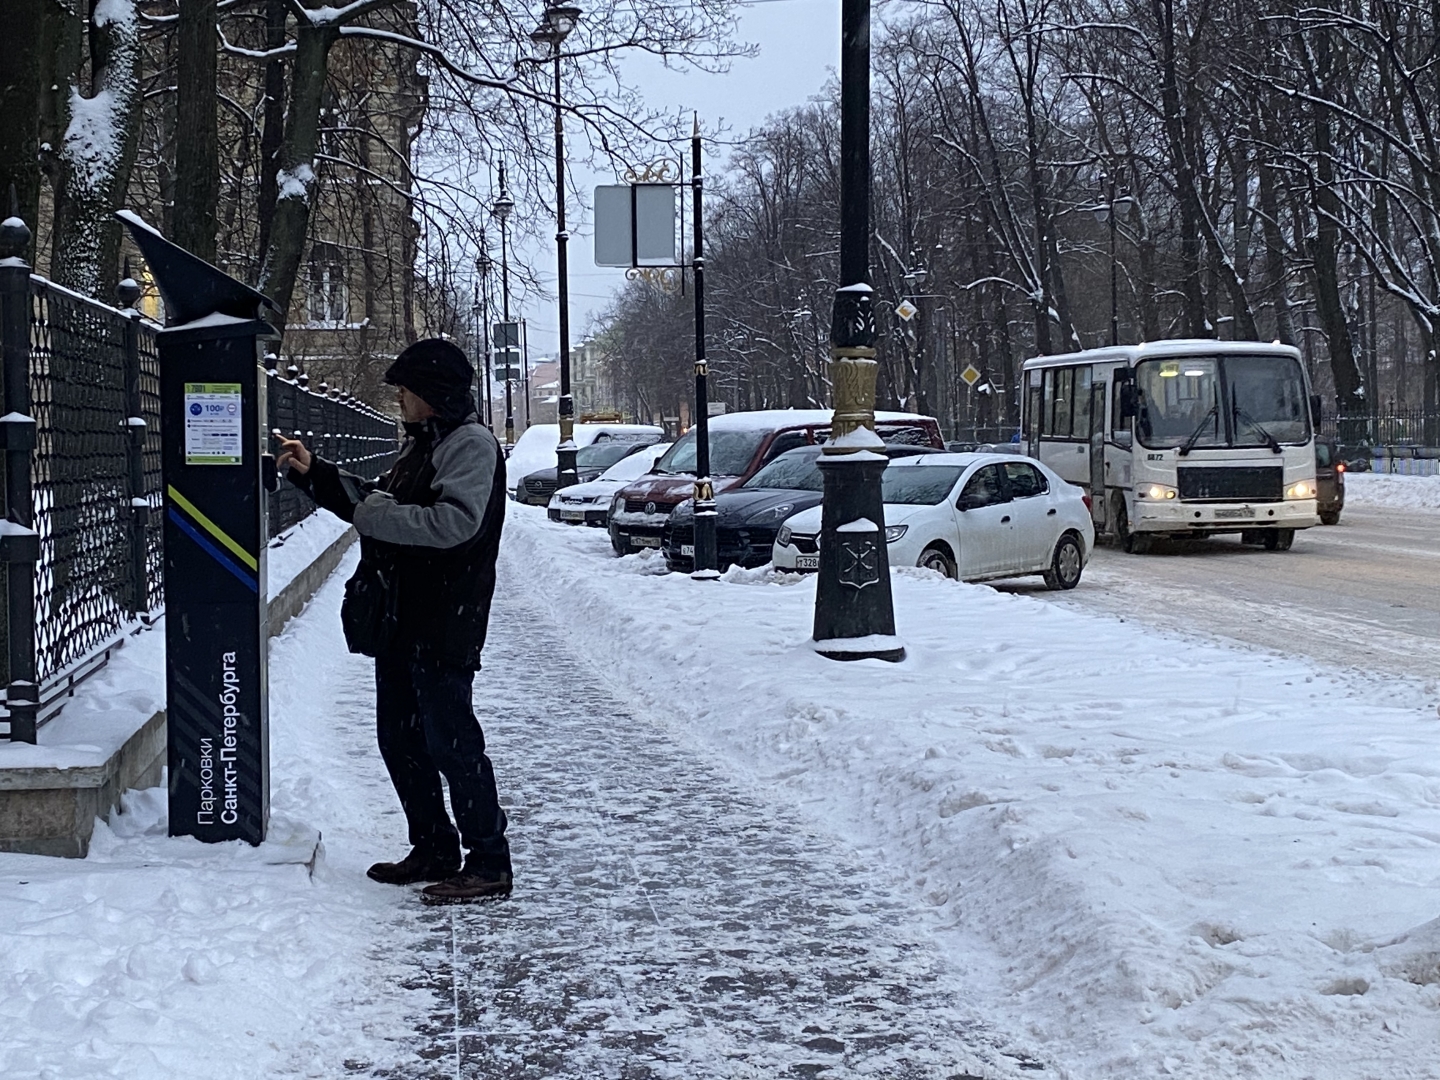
434,520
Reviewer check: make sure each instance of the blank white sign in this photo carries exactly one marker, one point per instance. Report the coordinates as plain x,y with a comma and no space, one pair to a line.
644,237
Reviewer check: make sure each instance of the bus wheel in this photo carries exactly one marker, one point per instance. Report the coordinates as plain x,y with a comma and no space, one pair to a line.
1279,539
1132,543
1065,564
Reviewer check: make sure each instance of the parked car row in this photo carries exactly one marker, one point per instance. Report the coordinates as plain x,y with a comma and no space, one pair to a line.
975,516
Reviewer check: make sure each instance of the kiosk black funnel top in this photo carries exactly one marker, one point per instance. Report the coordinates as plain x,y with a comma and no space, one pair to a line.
191,287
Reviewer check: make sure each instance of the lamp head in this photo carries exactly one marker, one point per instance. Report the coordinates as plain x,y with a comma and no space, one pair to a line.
556,24
503,207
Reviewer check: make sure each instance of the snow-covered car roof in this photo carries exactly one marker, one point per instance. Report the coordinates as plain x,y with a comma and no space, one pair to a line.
960,459
771,419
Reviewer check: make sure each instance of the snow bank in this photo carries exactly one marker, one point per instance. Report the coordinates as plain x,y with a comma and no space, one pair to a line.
1156,856
159,957
1383,491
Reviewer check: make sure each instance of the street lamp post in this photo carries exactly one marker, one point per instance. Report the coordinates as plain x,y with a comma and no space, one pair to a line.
502,208
555,26
1117,202
854,610
483,265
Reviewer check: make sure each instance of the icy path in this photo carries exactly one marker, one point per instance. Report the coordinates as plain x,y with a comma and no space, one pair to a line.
668,921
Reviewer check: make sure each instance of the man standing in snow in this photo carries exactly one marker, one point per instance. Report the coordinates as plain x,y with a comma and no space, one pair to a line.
420,605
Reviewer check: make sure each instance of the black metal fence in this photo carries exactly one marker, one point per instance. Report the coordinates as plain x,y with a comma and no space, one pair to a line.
335,425
80,539
1392,427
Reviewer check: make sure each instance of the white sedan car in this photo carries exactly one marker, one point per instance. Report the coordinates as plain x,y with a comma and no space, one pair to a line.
969,516
589,503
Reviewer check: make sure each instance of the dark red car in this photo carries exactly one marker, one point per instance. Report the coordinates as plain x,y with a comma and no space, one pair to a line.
740,444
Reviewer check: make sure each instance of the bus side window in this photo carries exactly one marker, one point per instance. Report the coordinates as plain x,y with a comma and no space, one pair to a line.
1081,428
1064,402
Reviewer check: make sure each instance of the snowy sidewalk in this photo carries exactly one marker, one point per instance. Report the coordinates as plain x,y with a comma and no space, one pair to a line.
669,920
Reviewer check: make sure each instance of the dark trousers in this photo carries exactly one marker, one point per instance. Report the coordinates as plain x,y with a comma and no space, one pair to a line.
427,729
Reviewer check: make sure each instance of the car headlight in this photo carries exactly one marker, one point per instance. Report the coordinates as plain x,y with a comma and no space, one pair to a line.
783,537
1305,489
775,513
617,503
894,532
1156,491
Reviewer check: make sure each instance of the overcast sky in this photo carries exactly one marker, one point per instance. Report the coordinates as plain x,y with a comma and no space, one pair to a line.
799,48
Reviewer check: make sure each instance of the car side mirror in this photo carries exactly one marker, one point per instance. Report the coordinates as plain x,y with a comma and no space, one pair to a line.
1317,408
968,502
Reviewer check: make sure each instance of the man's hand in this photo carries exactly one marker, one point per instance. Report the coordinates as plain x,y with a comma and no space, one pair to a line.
293,455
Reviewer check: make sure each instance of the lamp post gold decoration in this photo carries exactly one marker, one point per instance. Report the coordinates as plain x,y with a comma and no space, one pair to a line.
854,610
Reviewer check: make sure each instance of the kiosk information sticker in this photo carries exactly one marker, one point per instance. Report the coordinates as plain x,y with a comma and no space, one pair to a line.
213,424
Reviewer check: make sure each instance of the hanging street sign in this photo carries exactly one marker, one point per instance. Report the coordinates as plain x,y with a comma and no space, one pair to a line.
635,225
907,310
970,375
507,364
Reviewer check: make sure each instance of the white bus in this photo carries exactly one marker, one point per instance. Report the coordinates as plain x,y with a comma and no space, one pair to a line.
1180,438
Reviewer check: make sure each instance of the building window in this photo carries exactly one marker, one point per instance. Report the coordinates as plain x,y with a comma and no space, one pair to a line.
326,293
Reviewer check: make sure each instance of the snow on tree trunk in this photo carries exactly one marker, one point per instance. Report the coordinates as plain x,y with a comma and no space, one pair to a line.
295,178
97,153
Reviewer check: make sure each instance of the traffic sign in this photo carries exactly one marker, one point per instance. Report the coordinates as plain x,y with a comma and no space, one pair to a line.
505,335
970,375
907,310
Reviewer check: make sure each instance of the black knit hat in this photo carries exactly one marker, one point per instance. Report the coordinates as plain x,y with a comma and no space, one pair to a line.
436,371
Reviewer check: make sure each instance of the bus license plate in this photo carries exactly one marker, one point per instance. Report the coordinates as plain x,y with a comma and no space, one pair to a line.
645,541
1241,512
687,549
572,515
807,562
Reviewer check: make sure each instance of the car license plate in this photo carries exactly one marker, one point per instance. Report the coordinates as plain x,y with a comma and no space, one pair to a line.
1240,512
807,562
687,549
645,541
572,515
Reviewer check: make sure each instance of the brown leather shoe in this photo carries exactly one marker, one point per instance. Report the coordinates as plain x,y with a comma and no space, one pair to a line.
470,885
415,867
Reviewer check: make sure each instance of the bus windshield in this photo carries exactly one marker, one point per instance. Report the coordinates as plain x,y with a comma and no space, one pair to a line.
1211,401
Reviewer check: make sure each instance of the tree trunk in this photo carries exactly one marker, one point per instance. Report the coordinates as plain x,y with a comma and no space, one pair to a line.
1176,133
295,178
102,134
197,165
272,131
1325,247
20,89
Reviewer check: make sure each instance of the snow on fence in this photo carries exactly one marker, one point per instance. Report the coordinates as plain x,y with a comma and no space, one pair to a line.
80,539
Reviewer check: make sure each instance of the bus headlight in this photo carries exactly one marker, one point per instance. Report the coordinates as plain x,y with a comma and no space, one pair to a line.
1156,491
1305,489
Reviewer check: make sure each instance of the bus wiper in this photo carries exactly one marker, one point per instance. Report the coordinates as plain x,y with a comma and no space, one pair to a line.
1189,444
1241,414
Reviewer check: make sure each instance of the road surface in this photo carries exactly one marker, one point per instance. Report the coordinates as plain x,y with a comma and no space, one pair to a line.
1364,593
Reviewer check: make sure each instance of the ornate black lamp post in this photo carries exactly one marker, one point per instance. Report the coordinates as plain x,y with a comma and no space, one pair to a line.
555,26
1117,203
854,611
483,265
501,209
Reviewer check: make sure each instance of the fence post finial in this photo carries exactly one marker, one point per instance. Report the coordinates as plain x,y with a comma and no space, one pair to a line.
14,233
128,291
